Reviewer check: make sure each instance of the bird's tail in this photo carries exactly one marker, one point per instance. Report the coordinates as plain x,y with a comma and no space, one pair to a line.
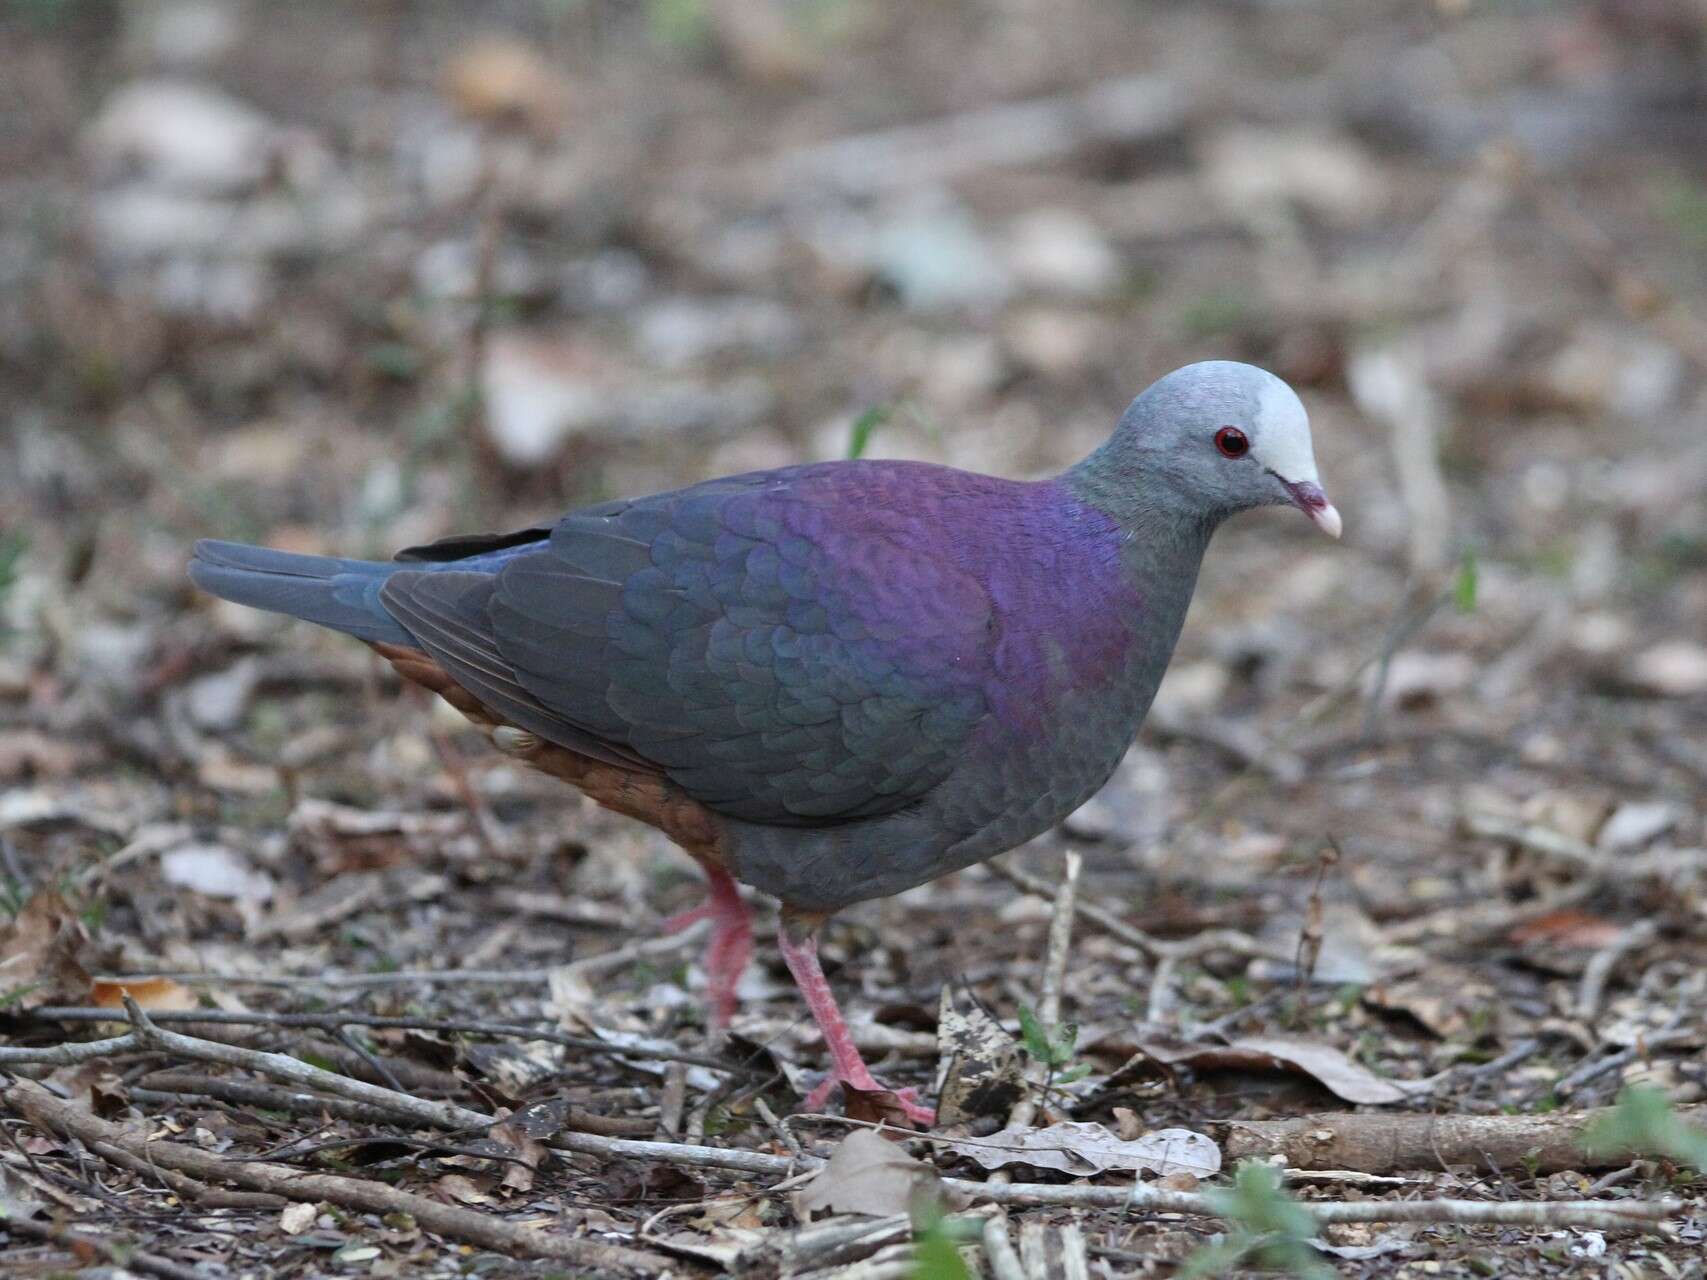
340,594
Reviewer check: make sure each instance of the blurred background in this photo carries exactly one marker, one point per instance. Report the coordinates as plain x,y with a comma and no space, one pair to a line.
344,277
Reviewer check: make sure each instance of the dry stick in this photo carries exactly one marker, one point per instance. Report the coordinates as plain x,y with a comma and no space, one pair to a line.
938,151
1595,1068
424,1111
1379,1144
82,1246
397,978
450,1116
1599,969
175,1090
1153,948
486,1231
332,1021
999,1250
185,1187
69,1055
1046,1250
1535,838
1049,995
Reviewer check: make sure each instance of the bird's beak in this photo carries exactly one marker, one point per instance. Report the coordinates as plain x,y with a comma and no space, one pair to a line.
1308,497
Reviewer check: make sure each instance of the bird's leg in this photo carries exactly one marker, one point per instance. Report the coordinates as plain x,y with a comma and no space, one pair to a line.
799,940
731,944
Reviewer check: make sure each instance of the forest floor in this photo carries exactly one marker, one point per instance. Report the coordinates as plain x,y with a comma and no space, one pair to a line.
1405,877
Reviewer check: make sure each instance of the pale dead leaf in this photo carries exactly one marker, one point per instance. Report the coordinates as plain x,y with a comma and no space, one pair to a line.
18,1201
1128,1124
1672,668
1452,1001
28,753
216,871
462,1189
866,1174
42,954
980,1067
1322,1062
1083,1149
1327,1065
294,1219
151,993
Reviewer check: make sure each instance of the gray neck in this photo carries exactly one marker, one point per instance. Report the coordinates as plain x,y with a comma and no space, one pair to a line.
1161,553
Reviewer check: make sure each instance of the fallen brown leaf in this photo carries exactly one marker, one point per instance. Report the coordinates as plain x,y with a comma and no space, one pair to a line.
150,993
1323,1063
866,1174
42,953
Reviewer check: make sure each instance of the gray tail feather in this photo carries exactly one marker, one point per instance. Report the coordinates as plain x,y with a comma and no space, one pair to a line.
340,594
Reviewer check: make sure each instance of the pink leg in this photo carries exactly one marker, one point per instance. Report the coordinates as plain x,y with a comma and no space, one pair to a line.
800,953
731,944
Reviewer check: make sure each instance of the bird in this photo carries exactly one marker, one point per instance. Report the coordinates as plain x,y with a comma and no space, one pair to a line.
831,681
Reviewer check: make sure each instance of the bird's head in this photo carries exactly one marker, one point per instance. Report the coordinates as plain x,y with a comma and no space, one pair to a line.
1217,438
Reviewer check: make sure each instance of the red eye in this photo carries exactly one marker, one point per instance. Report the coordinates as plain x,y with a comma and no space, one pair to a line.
1232,442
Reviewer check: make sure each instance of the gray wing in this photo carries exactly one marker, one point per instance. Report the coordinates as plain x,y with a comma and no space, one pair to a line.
731,637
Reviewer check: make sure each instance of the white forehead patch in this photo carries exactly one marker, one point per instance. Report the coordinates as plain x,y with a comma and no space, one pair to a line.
1283,432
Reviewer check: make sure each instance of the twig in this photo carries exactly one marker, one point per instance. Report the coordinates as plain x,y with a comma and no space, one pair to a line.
623,957
1378,1143
1046,1250
836,1242
1017,133
999,1250
69,1055
185,1187
1060,941
1592,1070
1049,994
1536,839
1389,384
361,1051
174,1090
1161,992
1202,944
673,1100
424,1111
396,978
1310,936
331,1022
486,1231
373,1197
84,1246
1598,971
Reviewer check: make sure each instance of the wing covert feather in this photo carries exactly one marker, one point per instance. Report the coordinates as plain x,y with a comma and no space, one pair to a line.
775,668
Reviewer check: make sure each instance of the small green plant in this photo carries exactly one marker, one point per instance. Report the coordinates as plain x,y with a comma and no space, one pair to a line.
1682,203
680,24
1214,315
12,547
1268,1229
1052,1046
936,1241
1464,585
1643,1122
859,434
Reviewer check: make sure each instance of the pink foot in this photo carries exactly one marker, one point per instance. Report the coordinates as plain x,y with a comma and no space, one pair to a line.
730,946
847,1067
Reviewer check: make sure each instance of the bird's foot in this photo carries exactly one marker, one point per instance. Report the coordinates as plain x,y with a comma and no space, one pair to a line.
682,921
729,948
906,1101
